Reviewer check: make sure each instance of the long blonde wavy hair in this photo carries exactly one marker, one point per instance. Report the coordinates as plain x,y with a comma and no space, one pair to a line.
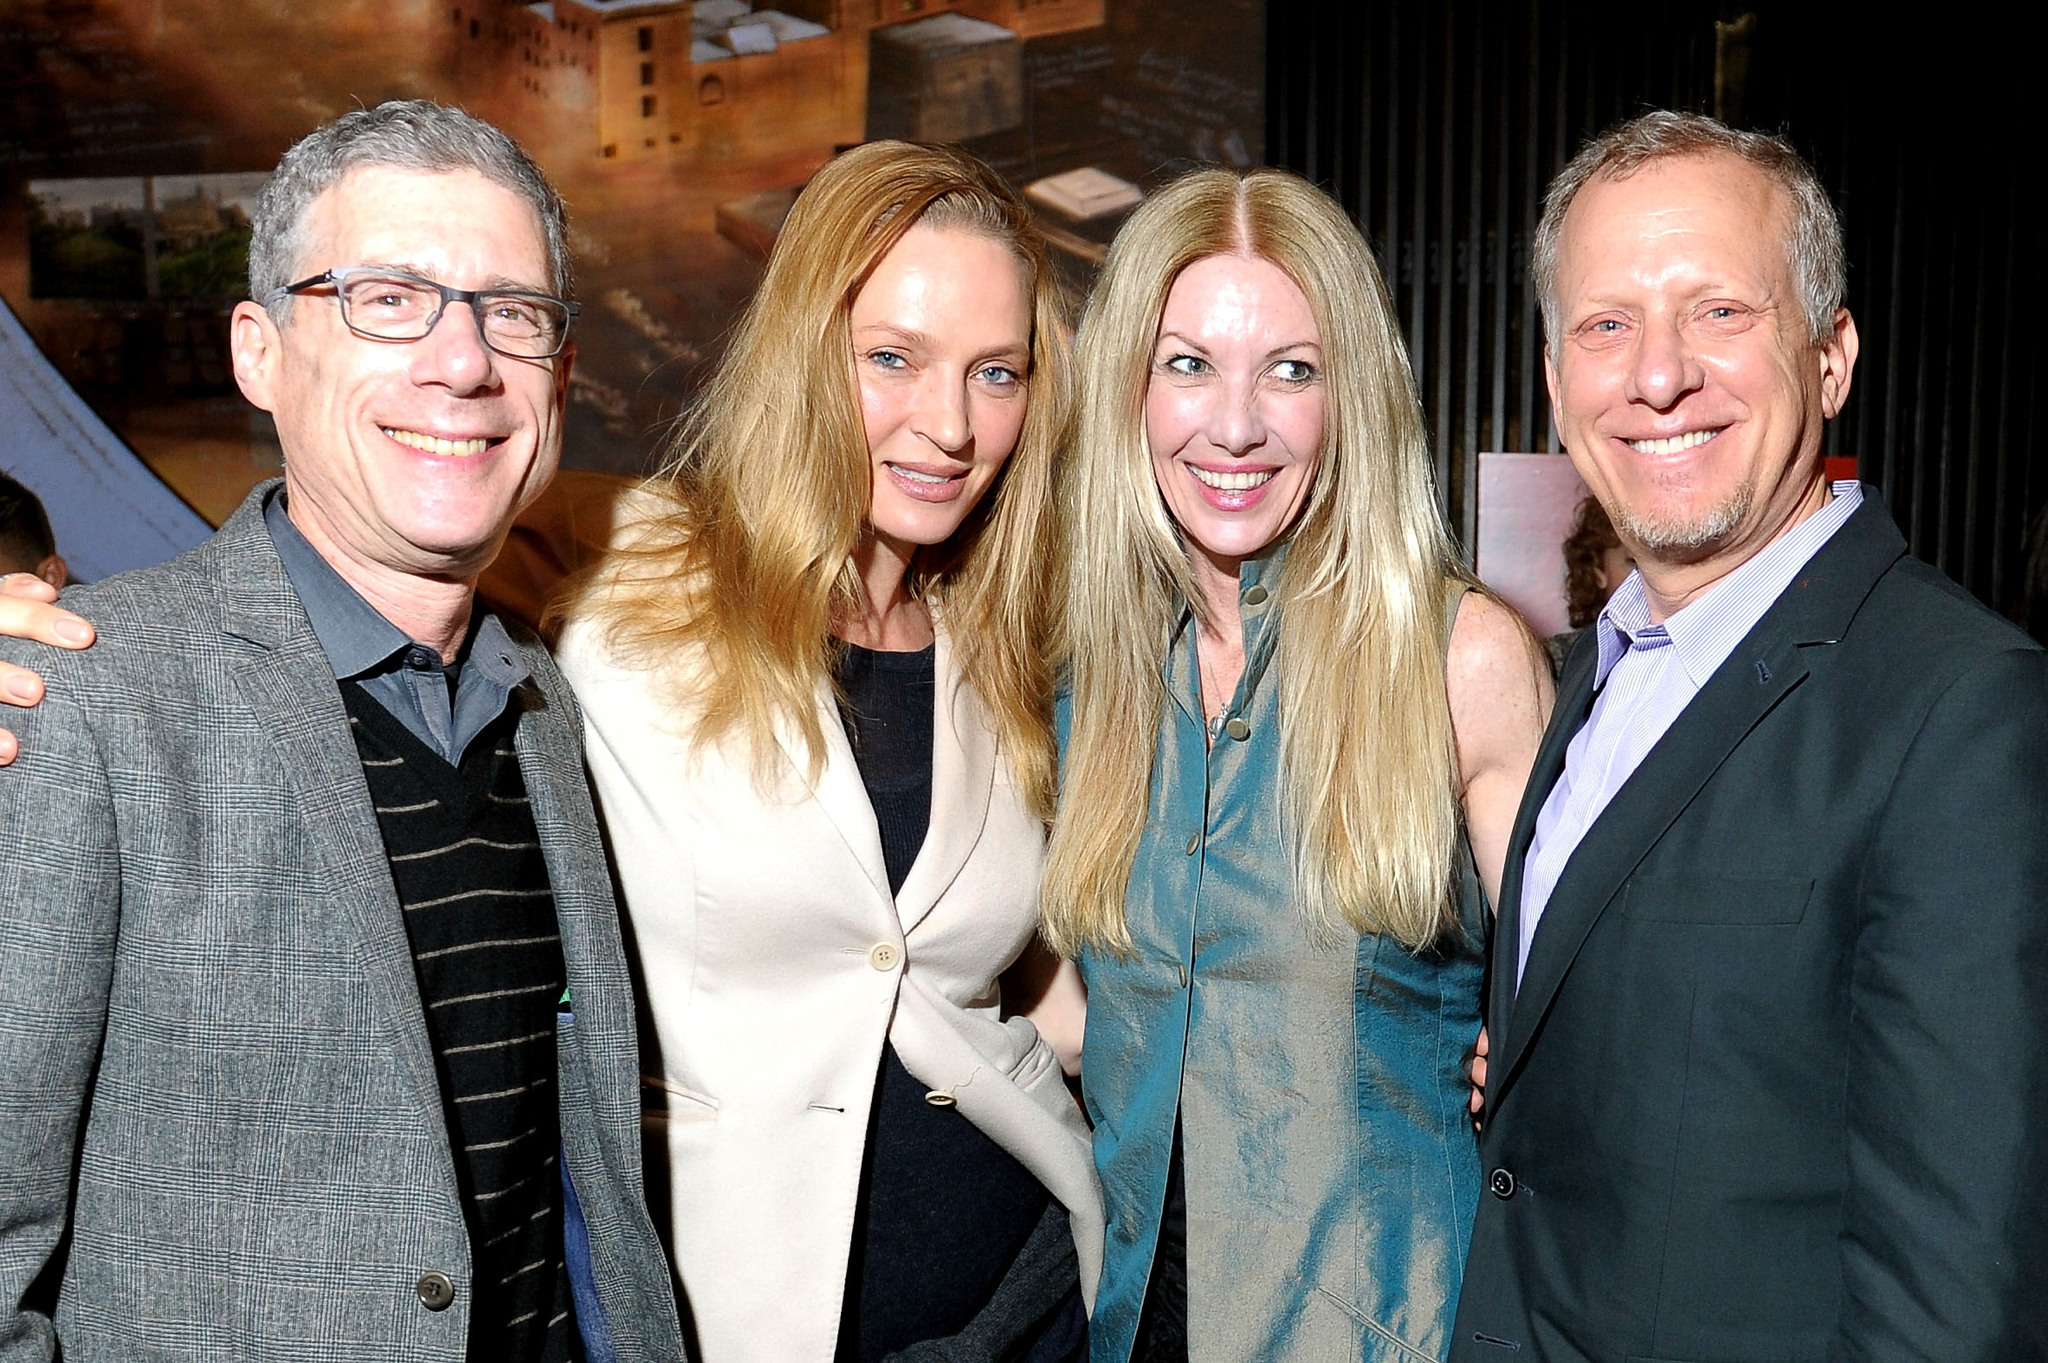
1368,765
748,561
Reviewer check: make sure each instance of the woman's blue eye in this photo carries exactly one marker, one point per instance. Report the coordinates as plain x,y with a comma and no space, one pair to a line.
999,374
1294,371
887,359
1185,364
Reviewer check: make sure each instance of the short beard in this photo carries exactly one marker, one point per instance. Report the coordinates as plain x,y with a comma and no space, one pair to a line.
1676,538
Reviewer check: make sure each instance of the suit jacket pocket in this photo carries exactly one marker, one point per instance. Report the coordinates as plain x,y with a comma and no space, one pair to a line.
1756,900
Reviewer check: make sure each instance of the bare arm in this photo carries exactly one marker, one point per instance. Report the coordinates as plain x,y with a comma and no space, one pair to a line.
1048,991
1500,695
27,612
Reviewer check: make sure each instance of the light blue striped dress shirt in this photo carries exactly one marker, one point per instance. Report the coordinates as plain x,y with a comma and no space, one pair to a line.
1648,673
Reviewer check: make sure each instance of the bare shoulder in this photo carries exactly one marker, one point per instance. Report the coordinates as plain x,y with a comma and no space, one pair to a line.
1498,683
1492,651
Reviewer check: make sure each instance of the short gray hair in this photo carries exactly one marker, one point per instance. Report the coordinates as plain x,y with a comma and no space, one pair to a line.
410,134
1813,241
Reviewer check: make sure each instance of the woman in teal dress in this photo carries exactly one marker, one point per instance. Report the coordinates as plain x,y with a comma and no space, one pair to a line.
1292,726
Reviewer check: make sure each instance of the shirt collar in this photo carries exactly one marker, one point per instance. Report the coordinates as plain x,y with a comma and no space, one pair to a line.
355,638
1706,630
1261,571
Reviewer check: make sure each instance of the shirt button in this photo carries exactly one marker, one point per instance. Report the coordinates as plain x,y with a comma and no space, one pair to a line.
1194,842
1255,596
884,956
939,1098
418,660
436,1291
1501,1184
1237,728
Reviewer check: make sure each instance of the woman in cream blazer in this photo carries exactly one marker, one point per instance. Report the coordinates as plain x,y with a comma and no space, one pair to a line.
803,522
776,962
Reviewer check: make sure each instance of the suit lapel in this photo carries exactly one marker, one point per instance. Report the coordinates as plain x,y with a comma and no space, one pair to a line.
1815,610
549,746
963,775
288,684
1574,701
1719,718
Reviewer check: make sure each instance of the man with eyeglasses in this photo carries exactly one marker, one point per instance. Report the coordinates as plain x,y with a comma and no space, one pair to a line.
316,1033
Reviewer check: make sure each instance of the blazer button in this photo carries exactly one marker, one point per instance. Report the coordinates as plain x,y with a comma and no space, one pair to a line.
1501,1184
884,956
1255,596
436,1292
1194,842
1237,728
940,1098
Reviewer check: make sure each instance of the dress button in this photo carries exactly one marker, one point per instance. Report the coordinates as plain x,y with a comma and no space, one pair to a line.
436,1292
1255,596
939,1098
1237,728
1194,842
1501,1184
884,956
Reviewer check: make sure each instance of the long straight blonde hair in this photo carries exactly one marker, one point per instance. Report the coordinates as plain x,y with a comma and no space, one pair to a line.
1368,766
748,560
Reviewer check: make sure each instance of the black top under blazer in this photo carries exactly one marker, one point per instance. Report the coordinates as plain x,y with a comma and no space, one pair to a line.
1776,1083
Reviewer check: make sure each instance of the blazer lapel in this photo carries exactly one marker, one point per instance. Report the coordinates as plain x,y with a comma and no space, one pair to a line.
963,775
839,791
1765,667
288,685
550,752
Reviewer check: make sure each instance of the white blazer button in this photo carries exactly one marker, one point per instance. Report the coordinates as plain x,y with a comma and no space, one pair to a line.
884,956
939,1098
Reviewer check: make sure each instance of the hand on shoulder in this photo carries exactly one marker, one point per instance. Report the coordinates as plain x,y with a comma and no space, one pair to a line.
28,610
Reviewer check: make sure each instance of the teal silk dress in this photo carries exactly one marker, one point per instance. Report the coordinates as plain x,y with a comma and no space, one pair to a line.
1330,1167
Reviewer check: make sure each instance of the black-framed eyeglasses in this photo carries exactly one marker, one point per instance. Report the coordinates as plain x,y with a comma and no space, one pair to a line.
392,305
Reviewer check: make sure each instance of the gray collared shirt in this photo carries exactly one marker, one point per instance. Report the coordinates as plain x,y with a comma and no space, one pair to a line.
1647,675
444,706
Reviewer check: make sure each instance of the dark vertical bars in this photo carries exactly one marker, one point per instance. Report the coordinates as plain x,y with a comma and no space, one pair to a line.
1438,125
1474,265
1444,252
1500,285
1532,205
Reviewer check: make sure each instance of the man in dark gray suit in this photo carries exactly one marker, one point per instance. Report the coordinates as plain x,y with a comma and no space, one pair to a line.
316,1033
1769,1002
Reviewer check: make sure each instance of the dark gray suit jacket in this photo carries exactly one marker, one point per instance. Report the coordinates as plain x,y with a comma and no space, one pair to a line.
1775,1085
222,1132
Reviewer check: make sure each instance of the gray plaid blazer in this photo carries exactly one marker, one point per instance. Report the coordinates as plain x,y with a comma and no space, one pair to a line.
221,1131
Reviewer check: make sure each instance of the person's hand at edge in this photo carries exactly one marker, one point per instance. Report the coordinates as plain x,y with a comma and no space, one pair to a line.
28,610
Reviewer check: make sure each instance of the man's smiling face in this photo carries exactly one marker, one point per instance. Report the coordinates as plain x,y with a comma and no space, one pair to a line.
408,456
1687,386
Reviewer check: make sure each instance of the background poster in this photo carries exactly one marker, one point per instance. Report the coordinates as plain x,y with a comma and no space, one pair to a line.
133,134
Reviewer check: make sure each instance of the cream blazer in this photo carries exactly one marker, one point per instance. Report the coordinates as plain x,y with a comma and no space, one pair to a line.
776,962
